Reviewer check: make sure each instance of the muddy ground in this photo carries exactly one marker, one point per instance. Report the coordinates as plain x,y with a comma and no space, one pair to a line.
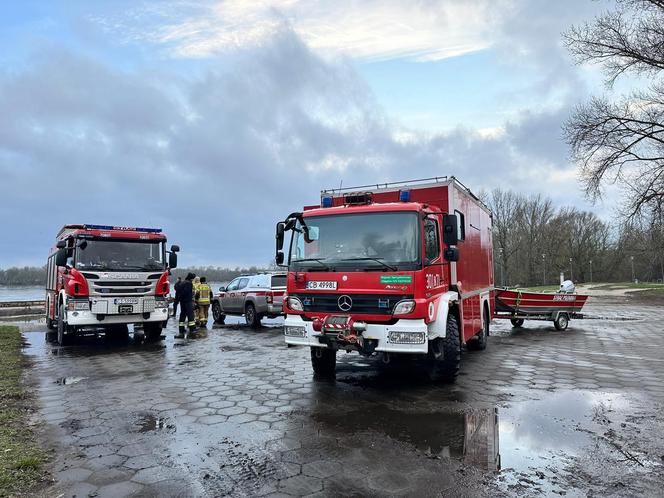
236,412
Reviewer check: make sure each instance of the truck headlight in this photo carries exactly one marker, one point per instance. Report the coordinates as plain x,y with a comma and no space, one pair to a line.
295,304
295,331
404,307
397,337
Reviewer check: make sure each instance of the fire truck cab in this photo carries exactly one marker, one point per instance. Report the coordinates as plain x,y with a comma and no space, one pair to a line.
392,269
107,277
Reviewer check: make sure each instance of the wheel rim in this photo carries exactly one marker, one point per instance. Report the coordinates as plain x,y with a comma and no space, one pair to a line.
563,321
250,315
215,313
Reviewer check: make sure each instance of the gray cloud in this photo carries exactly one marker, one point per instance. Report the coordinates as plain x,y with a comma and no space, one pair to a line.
217,158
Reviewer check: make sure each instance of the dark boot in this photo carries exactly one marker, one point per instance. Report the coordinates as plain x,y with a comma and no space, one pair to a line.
180,334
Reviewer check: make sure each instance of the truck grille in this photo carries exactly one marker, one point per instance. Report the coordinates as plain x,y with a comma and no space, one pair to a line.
362,303
122,288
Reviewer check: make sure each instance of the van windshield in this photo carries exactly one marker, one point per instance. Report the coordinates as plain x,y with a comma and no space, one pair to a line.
119,255
363,240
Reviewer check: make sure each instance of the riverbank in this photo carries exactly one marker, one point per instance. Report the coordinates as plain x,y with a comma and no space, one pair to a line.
21,459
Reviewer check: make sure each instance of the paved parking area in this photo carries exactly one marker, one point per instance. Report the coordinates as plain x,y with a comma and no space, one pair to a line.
236,412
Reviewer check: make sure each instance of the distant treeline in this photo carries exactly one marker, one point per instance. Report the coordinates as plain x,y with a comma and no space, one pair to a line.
31,275
28,275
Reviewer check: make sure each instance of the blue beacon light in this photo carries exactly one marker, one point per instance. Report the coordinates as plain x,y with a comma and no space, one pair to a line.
404,195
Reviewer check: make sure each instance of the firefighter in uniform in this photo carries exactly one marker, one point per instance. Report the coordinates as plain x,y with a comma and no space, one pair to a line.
187,317
203,296
176,300
197,283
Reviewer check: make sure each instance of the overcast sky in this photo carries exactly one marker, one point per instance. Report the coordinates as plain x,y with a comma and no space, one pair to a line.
215,119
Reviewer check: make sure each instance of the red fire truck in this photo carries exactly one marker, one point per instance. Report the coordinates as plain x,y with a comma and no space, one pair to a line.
106,277
400,268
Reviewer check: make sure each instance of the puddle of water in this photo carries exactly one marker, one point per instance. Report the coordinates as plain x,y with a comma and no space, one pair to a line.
150,422
66,381
536,445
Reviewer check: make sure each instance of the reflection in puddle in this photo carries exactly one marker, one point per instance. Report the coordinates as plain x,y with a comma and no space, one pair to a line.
68,380
150,422
471,437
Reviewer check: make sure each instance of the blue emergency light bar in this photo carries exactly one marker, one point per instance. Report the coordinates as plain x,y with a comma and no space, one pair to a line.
126,229
326,201
404,195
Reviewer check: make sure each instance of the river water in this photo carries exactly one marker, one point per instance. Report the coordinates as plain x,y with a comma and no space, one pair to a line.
22,293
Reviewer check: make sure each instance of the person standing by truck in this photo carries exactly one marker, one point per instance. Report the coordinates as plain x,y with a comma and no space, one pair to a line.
187,317
176,300
203,296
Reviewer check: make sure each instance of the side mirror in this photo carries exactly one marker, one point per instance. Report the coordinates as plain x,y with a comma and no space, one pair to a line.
61,244
450,231
281,228
61,257
172,260
175,248
222,288
279,259
452,254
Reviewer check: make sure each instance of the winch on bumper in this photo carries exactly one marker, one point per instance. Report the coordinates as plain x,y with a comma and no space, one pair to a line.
341,331
97,311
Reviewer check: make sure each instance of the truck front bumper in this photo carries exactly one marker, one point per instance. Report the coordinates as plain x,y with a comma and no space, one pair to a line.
104,312
301,333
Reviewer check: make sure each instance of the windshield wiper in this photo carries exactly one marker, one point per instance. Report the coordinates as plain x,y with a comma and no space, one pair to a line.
377,260
317,260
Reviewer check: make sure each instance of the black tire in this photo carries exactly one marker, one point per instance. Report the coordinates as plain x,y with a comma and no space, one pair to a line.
561,322
517,323
65,332
217,315
444,357
324,362
50,324
251,317
152,331
479,341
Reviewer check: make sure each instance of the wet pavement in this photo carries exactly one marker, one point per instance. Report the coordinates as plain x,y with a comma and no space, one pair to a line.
235,412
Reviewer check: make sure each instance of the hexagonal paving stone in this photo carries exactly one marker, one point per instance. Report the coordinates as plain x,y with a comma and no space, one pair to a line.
141,462
151,475
231,410
75,474
119,490
322,468
300,485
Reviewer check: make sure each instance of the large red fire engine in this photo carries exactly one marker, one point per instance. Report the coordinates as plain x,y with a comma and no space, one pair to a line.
402,268
106,277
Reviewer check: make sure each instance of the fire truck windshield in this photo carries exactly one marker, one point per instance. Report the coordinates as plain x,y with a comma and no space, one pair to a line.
119,255
364,240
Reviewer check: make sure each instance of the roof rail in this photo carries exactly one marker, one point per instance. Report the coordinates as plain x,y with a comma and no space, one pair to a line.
407,183
387,185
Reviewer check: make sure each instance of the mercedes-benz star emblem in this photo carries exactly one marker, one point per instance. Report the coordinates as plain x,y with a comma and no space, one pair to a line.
345,303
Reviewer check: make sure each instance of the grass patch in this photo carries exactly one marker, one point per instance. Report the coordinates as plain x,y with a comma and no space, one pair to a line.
21,458
629,285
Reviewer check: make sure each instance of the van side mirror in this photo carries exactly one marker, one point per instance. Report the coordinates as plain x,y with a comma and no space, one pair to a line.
175,248
279,259
450,230
61,244
452,254
172,260
61,257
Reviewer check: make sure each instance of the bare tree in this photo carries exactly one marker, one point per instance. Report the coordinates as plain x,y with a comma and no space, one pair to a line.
622,142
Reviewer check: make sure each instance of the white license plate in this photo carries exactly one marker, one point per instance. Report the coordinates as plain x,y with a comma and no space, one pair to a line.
321,284
126,300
